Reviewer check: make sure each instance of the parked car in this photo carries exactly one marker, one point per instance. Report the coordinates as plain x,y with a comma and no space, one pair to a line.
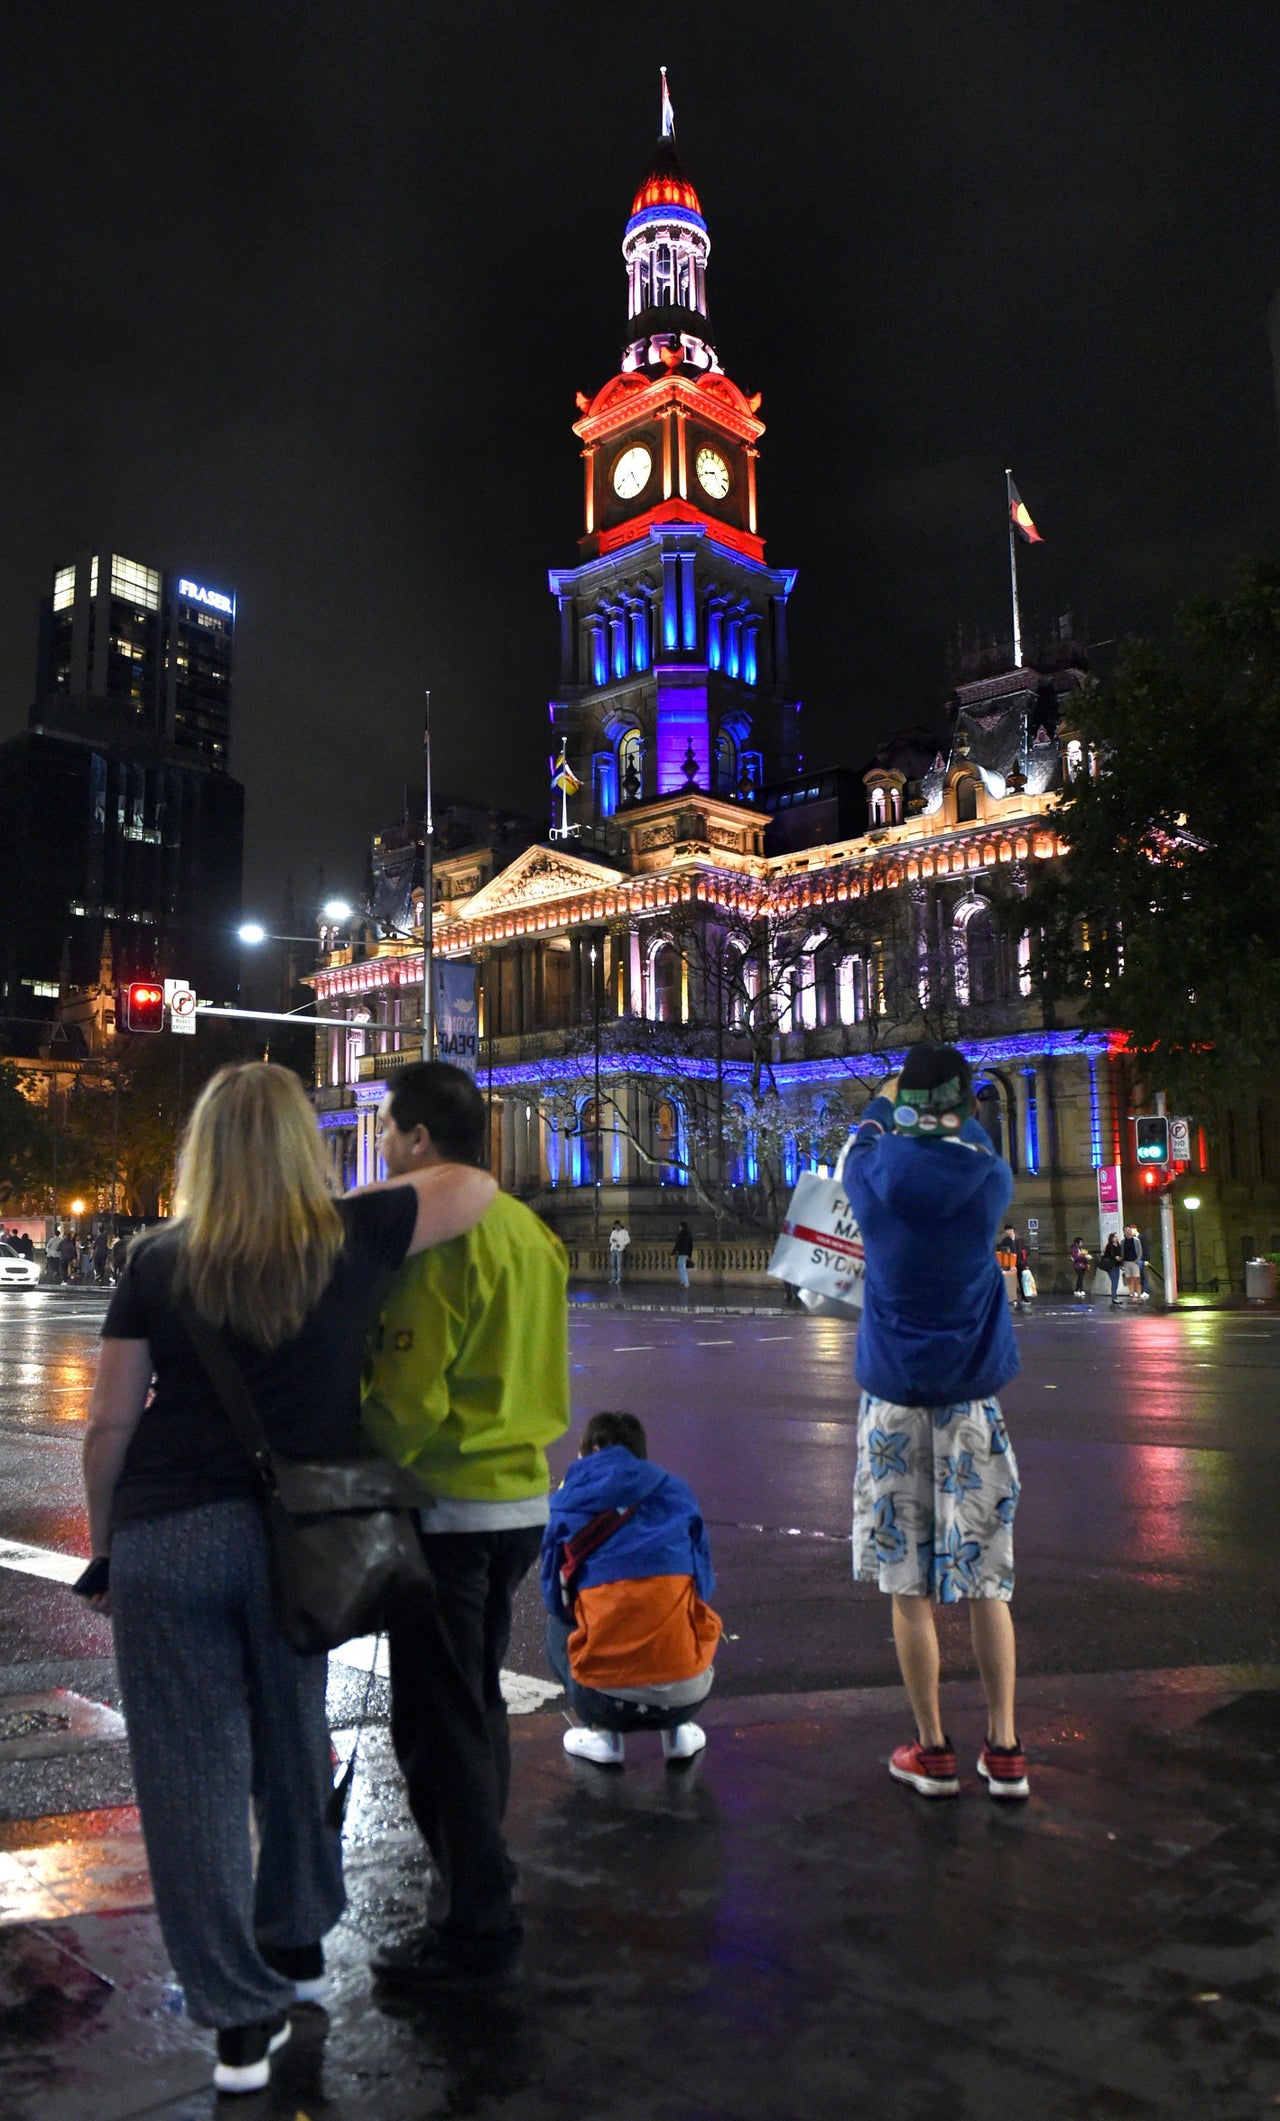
17,1272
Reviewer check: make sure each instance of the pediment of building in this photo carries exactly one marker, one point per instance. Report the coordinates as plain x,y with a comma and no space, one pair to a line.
539,873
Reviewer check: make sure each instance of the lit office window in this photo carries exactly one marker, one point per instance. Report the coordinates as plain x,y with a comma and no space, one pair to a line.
64,588
93,577
141,585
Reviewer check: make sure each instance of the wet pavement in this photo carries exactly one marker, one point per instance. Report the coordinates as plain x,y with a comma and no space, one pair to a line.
778,1930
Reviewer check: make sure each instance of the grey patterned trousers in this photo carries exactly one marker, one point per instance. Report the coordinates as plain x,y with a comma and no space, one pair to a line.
222,1715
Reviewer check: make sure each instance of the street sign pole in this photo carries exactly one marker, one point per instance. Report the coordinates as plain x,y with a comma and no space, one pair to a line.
1168,1241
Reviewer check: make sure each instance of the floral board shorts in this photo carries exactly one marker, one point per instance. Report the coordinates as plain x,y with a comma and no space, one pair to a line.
933,1500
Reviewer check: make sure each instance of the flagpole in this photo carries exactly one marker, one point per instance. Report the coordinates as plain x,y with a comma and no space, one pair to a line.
1013,569
428,830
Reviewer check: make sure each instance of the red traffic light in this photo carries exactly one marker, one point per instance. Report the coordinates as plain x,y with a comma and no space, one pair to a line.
144,1006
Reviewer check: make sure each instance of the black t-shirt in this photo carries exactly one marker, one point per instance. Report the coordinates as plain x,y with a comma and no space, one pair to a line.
306,1393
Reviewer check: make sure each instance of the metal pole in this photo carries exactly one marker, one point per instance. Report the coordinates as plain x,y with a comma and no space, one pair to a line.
595,1021
115,1141
1168,1242
1013,571
428,829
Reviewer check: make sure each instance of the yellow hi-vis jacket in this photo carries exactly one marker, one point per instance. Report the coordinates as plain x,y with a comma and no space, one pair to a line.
469,1375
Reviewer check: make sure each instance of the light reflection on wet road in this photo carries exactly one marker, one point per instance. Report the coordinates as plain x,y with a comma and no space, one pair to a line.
1149,1449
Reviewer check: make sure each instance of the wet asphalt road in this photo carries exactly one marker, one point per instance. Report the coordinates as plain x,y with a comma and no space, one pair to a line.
1149,1448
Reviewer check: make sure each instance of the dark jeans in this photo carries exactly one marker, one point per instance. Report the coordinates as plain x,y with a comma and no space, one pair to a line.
604,1712
448,1719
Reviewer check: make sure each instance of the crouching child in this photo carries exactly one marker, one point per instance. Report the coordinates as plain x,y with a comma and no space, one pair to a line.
626,1572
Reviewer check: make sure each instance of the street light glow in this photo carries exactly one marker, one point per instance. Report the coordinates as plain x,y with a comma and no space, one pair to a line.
337,909
77,1207
1191,1201
252,932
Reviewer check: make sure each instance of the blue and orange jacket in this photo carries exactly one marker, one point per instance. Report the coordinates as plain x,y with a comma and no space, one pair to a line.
639,1613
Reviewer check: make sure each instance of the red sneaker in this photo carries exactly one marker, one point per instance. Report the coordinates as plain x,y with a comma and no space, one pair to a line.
1004,1770
929,1769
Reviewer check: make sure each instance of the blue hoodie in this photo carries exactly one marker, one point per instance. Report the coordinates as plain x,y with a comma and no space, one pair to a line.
935,1321
639,1616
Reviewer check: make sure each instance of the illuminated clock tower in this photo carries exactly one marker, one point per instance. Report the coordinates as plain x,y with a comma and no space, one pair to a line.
673,631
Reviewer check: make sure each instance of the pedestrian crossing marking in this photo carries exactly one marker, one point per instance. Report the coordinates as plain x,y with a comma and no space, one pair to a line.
41,1561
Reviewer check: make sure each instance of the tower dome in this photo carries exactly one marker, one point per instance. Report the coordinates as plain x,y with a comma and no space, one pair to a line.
666,247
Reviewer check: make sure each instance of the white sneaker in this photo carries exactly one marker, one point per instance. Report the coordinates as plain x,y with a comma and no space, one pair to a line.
682,1743
605,1748
244,2055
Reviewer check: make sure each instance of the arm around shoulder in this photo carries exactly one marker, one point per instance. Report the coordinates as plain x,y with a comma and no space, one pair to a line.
452,1198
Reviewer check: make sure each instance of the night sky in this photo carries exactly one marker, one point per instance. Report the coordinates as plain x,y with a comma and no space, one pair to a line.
297,297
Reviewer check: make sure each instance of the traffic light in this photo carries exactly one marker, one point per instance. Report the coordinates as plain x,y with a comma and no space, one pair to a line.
144,1006
1151,1139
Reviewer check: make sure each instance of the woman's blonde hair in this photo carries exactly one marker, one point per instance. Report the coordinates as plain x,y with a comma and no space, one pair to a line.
260,1232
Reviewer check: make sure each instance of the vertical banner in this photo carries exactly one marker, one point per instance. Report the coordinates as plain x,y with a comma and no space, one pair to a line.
1110,1204
457,1024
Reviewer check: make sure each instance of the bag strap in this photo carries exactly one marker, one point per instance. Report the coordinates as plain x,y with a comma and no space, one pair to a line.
224,1374
584,1543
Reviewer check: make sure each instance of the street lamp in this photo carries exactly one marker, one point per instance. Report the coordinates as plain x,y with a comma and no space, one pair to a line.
1191,1202
337,909
595,1023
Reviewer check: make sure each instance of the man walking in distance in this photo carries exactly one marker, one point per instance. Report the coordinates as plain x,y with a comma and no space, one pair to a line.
936,1484
469,1383
619,1239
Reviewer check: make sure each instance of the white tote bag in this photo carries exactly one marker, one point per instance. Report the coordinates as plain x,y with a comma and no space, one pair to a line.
819,1248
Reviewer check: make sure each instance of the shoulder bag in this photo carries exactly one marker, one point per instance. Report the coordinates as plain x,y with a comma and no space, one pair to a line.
342,1534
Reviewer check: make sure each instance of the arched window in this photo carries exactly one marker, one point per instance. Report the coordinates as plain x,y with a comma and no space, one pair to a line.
989,1114
877,806
666,1142
631,767
967,799
1075,758
726,764
826,984
667,972
852,990
590,1143
988,959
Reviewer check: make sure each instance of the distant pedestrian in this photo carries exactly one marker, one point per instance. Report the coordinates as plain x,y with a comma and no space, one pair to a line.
1144,1279
1082,1261
1132,1255
619,1239
119,1254
1112,1265
683,1253
625,1572
68,1254
101,1252
1015,1265
936,1485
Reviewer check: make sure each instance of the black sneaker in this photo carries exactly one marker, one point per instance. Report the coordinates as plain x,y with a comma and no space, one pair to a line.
244,2055
441,1959
303,1964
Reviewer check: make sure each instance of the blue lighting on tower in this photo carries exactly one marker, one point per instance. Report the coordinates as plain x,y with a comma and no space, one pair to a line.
1095,1117
749,659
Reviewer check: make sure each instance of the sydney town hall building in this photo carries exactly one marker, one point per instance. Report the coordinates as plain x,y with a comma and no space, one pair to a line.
692,982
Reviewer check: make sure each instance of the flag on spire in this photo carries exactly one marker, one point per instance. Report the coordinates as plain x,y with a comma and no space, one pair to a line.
668,115
1020,516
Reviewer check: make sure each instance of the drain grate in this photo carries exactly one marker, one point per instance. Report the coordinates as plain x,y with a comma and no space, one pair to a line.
31,1723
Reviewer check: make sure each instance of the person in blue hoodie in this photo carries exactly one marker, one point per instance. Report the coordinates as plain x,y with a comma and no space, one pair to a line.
936,1485
626,1572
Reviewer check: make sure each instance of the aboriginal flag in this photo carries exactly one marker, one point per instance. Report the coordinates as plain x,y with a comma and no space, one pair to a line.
1020,517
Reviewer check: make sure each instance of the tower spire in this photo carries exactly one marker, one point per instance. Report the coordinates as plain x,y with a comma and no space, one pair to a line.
666,247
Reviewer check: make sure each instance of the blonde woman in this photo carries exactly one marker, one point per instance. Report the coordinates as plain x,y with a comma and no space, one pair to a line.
220,1710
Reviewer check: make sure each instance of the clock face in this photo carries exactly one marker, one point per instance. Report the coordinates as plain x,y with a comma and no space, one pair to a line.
631,472
713,473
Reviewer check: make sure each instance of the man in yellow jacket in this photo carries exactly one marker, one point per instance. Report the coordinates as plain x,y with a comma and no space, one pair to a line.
468,1384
